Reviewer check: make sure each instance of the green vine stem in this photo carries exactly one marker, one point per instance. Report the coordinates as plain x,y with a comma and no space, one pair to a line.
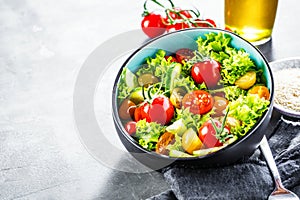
191,22
219,131
146,12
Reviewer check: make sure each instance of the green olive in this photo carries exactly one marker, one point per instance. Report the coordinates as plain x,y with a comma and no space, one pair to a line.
137,95
177,96
147,79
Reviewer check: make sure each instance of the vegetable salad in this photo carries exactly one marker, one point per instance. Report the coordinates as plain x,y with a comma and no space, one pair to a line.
192,102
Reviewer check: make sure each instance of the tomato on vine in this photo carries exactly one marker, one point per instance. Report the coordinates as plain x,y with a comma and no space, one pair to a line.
153,25
178,13
204,23
177,19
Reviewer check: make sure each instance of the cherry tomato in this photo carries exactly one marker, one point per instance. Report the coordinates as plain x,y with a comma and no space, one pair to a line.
246,81
204,23
177,14
163,141
182,14
126,109
220,104
177,26
208,72
130,127
199,102
207,134
228,29
171,58
153,25
190,141
137,114
184,54
160,110
212,22
262,91
141,112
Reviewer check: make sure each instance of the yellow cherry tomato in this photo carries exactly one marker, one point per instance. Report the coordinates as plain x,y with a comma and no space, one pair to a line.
261,91
247,80
190,141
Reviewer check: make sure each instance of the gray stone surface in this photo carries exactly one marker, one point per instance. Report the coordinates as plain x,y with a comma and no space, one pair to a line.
42,47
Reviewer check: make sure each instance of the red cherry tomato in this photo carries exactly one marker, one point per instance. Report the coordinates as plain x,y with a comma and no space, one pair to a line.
207,134
130,127
141,112
152,25
228,29
204,23
208,72
182,14
172,58
160,110
184,54
138,114
199,102
177,26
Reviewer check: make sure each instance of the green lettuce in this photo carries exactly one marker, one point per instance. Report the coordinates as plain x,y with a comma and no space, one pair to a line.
157,65
177,145
247,109
128,81
235,63
147,134
191,120
186,83
233,92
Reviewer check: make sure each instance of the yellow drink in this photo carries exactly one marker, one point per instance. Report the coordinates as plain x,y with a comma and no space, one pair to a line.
253,20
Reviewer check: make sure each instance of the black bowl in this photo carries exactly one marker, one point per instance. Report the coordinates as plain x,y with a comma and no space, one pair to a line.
242,148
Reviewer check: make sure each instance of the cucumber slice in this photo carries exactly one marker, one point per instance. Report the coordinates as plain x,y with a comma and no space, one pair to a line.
203,152
130,79
177,127
179,154
172,74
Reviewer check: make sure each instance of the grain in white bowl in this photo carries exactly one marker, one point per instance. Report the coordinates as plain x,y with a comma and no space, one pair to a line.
287,88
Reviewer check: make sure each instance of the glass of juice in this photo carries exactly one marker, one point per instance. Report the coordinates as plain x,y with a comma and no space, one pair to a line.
252,20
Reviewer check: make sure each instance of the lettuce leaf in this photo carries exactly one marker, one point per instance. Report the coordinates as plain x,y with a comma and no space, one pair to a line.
234,92
177,145
156,65
191,120
235,63
147,134
247,109
126,83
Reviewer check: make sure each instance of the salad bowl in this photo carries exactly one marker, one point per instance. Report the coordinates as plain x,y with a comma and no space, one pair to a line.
156,126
